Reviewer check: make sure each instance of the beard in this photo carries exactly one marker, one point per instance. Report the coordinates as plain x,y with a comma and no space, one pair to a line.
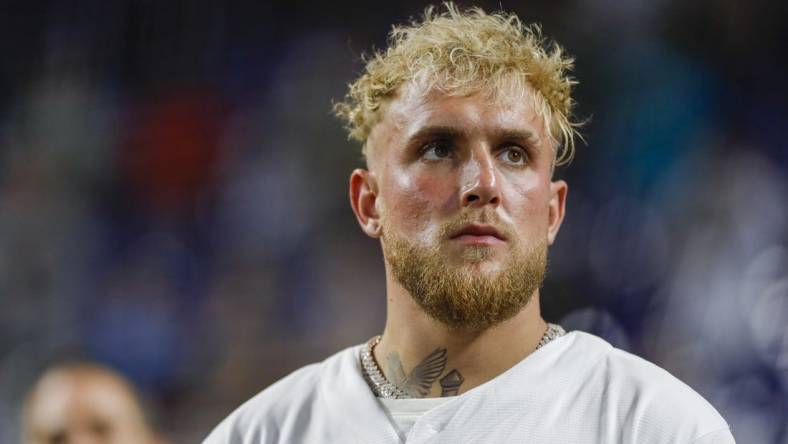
458,292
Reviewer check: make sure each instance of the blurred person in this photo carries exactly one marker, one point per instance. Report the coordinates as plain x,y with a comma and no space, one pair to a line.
463,119
84,403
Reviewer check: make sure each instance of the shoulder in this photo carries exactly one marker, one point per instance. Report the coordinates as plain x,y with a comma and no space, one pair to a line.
648,399
259,418
288,401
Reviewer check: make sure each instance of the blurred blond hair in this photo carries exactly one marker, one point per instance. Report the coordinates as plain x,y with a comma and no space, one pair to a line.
460,52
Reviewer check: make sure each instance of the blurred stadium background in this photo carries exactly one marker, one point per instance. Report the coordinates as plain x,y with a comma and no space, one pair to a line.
173,195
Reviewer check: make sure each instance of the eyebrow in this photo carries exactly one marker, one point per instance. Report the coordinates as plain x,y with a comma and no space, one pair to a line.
510,134
452,132
439,131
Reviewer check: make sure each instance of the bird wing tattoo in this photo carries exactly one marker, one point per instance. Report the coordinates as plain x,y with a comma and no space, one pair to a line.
426,373
419,382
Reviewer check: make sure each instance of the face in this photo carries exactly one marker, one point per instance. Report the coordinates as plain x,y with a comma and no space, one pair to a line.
71,408
459,190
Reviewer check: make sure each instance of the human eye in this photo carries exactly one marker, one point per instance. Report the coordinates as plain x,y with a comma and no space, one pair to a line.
436,150
514,155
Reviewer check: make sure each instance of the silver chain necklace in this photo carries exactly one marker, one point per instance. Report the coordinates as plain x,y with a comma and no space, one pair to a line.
381,386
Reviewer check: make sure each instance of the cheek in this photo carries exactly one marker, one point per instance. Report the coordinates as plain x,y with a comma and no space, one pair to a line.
413,202
529,204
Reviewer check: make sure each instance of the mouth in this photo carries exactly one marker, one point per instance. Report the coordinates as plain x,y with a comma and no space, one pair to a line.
479,234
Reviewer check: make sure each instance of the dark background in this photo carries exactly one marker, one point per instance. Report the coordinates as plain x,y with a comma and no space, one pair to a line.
173,195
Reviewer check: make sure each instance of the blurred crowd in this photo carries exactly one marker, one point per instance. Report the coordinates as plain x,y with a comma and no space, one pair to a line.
173,196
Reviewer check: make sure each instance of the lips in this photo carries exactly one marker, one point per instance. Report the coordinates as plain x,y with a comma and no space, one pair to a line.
479,230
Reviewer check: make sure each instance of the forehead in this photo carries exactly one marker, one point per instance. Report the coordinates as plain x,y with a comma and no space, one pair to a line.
482,112
63,398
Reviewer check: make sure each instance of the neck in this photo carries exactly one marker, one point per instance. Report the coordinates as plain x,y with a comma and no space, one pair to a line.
425,358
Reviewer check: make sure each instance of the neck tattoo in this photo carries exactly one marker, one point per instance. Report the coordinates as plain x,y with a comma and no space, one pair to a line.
418,383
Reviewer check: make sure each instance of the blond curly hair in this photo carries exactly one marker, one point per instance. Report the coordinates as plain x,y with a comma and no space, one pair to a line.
460,52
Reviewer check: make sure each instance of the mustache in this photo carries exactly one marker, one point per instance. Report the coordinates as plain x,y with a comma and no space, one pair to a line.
450,227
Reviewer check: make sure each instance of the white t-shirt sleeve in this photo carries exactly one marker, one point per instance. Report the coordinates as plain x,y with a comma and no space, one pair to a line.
722,436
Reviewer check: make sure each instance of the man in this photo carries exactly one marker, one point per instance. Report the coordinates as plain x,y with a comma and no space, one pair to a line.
462,120
84,403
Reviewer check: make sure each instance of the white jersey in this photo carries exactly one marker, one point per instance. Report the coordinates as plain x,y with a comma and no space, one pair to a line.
577,389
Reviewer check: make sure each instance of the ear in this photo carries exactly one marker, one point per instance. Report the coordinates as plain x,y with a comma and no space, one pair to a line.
558,190
363,195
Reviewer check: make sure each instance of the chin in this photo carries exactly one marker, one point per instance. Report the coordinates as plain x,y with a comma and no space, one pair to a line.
476,255
479,265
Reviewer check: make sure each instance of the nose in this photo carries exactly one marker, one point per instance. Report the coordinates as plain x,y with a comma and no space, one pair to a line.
480,182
